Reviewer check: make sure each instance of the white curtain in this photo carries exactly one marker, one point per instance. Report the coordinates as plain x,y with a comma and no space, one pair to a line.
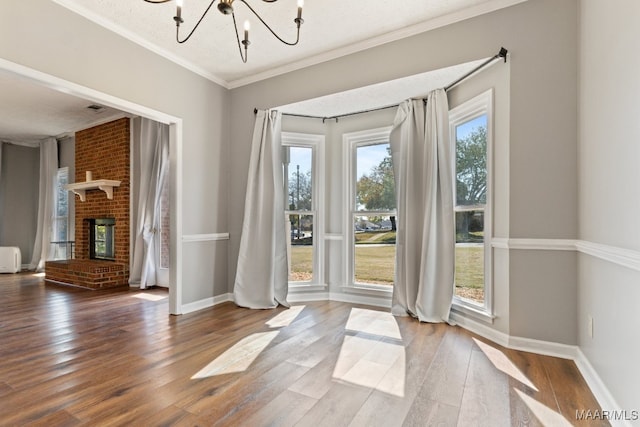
42,249
422,163
150,162
262,276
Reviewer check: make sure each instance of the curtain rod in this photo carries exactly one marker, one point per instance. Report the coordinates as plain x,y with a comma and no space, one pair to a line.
501,54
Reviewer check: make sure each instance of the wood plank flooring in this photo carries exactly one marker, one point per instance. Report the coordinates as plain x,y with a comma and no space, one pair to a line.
74,357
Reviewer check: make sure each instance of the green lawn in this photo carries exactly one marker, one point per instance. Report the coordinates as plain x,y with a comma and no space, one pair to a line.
470,272
301,263
376,264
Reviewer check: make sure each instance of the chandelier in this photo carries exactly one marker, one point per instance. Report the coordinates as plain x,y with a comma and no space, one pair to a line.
226,8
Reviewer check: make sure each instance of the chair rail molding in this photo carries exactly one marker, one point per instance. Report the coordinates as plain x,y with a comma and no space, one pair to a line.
211,237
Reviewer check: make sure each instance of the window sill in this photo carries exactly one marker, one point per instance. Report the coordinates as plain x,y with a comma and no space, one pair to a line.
476,313
295,287
378,290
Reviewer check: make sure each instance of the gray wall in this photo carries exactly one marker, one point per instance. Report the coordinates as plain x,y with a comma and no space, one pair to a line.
542,37
61,43
19,184
609,153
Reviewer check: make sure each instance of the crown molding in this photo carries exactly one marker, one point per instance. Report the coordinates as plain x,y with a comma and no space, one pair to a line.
412,30
372,42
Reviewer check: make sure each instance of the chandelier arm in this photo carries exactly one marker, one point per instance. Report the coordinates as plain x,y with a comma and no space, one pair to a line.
298,21
195,27
157,1
245,42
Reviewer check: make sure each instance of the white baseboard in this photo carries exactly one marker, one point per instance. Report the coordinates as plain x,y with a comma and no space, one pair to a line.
598,388
564,351
205,303
547,348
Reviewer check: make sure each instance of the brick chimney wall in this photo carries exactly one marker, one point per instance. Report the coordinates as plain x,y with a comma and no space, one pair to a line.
104,150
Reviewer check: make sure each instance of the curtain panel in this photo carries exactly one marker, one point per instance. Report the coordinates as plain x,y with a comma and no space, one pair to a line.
150,161
262,273
425,247
42,249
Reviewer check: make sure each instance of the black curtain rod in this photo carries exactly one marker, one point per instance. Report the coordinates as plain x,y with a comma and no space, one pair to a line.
501,54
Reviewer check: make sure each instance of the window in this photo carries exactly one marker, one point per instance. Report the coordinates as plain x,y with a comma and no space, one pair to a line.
301,168
371,216
60,226
470,126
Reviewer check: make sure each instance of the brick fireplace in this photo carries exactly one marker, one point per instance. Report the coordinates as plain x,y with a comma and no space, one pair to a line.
104,151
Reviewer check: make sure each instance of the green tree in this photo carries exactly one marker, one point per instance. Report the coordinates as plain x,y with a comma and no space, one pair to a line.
471,168
471,176
376,191
300,192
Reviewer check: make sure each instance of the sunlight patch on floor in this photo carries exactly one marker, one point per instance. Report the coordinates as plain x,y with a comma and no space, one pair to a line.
239,357
39,274
544,414
149,297
286,317
372,353
373,322
502,363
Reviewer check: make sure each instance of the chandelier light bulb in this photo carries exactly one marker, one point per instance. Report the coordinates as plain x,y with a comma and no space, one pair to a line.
247,27
226,8
178,17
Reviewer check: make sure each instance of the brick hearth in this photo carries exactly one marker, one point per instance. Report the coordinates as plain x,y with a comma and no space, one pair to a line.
93,274
103,150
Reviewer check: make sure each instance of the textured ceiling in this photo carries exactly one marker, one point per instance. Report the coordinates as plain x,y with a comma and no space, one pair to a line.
30,112
332,28
379,95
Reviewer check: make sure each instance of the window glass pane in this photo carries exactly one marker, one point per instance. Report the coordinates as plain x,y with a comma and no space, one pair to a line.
375,249
62,196
469,275
298,164
375,189
302,254
471,162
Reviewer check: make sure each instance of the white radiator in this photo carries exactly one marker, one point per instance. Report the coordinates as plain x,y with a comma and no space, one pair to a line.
10,259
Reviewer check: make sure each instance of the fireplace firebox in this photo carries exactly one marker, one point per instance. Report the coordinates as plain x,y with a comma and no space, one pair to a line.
102,238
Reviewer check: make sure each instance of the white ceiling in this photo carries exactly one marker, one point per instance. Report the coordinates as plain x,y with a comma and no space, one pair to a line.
332,28
380,95
30,112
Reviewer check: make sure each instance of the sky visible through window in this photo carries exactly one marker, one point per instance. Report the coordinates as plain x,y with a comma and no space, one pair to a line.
369,157
463,130
299,156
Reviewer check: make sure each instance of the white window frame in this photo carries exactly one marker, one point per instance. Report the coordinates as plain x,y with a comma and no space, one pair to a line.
316,143
351,142
56,218
469,110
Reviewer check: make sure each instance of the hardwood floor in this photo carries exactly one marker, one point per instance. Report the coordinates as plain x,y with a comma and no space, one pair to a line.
77,357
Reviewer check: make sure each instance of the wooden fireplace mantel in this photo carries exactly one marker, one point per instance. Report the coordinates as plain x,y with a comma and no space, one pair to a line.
105,185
